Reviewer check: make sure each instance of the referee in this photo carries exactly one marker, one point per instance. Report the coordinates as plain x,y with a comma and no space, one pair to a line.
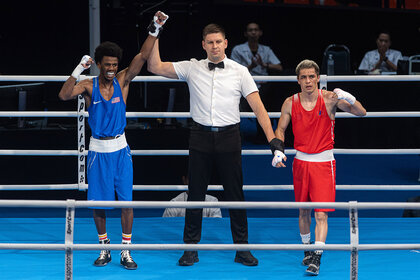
216,85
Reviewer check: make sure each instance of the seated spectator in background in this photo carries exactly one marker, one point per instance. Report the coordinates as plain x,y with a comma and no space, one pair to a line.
256,57
382,59
180,212
260,61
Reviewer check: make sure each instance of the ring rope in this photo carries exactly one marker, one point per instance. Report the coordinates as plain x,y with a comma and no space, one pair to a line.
348,78
40,187
64,114
205,247
210,187
185,152
208,204
276,187
156,204
246,152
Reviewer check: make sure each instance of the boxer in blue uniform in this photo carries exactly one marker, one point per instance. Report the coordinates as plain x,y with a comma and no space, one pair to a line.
109,166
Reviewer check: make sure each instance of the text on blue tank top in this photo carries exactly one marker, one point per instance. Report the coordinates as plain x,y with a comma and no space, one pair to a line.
107,117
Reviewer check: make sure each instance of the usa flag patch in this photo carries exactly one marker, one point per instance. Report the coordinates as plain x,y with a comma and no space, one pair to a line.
115,99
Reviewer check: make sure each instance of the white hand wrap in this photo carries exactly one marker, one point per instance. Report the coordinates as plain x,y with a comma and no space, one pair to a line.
341,94
80,68
165,18
156,28
278,157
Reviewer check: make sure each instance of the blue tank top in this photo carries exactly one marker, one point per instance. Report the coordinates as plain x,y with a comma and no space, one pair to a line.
107,118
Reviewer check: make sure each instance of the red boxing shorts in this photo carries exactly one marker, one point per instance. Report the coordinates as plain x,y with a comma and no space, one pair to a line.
314,182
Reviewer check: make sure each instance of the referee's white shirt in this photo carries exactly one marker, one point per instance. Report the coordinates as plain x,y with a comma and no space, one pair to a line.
215,95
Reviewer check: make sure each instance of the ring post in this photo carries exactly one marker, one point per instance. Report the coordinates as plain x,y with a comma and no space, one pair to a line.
323,82
22,106
354,240
81,159
69,234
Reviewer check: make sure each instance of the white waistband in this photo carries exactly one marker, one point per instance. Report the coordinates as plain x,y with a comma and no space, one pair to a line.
327,155
107,146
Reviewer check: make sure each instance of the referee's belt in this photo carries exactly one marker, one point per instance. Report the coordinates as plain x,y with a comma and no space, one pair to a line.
215,128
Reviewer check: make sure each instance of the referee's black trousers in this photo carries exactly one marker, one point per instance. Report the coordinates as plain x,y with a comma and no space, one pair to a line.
215,152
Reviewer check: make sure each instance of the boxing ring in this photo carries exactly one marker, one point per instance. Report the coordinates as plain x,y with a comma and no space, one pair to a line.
276,246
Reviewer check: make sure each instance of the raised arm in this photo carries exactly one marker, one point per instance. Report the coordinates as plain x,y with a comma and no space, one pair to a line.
356,109
138,61
70,89
157,67
348,103
129,73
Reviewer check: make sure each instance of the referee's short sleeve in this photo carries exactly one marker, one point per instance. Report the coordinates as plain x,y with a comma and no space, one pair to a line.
248,85
182,69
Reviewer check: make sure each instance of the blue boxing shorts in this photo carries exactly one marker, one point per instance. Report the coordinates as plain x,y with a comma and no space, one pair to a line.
110,170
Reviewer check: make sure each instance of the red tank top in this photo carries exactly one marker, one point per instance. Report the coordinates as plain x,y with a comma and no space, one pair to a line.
313,130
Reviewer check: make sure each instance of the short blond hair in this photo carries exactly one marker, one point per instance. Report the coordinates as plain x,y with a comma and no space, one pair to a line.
307,64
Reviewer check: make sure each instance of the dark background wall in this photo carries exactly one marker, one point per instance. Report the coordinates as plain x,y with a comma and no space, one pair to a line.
49,37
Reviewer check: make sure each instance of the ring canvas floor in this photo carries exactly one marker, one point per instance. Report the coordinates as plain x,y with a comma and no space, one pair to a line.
387,264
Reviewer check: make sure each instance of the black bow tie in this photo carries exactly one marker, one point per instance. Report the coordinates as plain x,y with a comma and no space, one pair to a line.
214,65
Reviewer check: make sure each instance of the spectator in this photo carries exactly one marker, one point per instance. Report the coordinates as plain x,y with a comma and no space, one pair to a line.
383,59
260,61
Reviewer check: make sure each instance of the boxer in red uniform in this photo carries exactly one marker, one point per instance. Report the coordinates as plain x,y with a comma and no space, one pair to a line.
312,112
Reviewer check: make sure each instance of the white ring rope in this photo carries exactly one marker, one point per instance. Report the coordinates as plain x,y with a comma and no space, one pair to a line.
205,247
185,152
351,78
72,204
374,78
211,187
65,114
39,153
22,85
40,187
287,152
209,204
277,187
247,152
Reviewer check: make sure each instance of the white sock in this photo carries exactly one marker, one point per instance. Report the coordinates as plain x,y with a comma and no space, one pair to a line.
306,238
319,252
126,238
